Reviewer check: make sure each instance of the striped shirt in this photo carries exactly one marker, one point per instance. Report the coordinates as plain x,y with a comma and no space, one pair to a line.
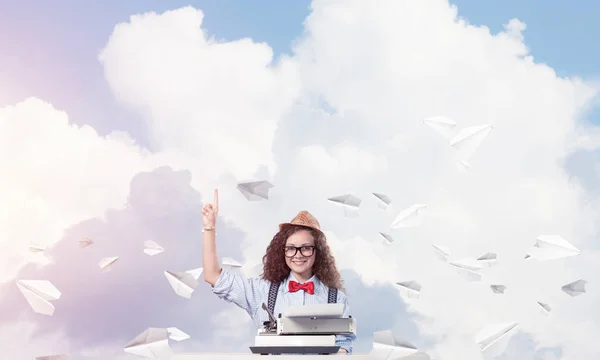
250,293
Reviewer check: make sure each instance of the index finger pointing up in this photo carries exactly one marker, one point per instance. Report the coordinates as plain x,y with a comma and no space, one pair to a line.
216,199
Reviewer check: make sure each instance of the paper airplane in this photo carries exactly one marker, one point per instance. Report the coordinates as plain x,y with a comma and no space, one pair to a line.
255,190
36,249
463,166
410,289
441,252
468,263
488,259
442,125
383,200
467,268
498,289
152,248
575,288
106,263
545,307
550,247
176,334
38,294
389,346
53,357
349,202
85,242
184,283
387,237
467,140
493,339
410,217
230,264
153,343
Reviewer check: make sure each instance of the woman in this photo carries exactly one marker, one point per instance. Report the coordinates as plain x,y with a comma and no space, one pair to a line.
298,270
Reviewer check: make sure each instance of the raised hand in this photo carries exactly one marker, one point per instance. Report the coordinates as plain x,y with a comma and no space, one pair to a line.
210,212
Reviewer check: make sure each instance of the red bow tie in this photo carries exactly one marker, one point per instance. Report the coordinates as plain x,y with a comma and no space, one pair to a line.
309,287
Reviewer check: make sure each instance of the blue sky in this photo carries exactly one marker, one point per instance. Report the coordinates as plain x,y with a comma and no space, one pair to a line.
65,36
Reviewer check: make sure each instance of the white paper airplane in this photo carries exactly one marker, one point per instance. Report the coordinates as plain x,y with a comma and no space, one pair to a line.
441,252
410,217
383,200
467,140
468,263
575,288
463,166
498,289
493,339
230,264
349,202
196,272
467,268
85,242
38,294
176,334
184,283
36,249
387,237
389,346
442,125
550,247
153,343
488,259
152,248
255,190
410,289
53,357
107,263
545,307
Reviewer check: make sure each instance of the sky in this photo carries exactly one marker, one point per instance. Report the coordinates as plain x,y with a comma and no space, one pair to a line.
117,128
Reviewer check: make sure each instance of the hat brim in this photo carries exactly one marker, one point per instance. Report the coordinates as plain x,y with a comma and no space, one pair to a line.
283,225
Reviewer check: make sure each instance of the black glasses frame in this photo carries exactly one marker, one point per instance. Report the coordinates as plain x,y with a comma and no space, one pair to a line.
299,248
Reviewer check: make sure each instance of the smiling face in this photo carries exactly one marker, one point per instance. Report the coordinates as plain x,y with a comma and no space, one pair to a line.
303,244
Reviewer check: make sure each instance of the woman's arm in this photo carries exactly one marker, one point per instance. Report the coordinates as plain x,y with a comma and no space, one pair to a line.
210,262
233,288
247,293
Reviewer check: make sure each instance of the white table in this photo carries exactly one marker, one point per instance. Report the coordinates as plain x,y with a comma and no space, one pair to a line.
222,356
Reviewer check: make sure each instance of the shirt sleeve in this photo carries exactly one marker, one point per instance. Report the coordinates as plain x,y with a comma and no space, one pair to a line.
244,292
345,341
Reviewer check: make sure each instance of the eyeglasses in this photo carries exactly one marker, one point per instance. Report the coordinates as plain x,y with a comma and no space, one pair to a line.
291,251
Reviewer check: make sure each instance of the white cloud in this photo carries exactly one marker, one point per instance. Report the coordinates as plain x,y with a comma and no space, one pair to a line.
219,102
230,325
27,346
341,161
54,175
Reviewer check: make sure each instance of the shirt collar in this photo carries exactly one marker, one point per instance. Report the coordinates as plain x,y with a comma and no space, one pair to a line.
286,288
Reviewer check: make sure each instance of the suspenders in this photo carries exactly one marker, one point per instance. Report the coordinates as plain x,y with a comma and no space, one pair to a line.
274,288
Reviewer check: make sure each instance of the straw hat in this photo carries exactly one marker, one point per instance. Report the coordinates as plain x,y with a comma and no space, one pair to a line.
304,218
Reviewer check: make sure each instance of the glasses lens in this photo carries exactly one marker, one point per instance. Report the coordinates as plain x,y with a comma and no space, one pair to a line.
290,251
307,250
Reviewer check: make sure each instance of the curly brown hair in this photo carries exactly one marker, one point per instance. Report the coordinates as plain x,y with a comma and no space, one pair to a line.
276,270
